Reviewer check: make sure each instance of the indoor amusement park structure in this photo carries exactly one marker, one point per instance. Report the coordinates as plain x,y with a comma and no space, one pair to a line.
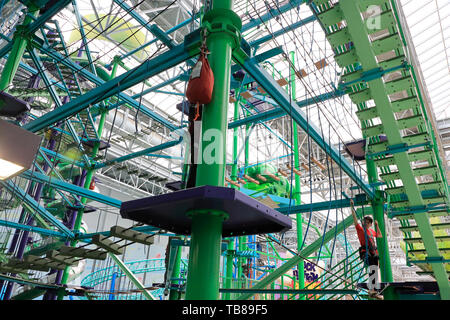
115,185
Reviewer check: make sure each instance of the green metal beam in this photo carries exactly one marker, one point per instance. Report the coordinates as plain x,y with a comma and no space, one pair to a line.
367,58
204,255
19,44
313,247
122,266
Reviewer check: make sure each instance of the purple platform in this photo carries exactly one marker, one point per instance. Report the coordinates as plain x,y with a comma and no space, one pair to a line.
174,186
10,106
247,216
357,149
91,143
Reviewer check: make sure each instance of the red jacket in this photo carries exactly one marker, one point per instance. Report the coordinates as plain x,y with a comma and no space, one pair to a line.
371,235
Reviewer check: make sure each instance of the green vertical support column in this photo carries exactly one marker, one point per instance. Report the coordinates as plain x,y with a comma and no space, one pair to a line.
206,230
20,41
174,294
242,240
378,214
234,176
297,191
87,183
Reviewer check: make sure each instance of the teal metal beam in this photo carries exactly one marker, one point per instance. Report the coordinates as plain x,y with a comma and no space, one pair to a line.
272,13
55,97
141,153
31,205
113,87
292,27
73,189
61,157
320,206
152,28
280,112
41,231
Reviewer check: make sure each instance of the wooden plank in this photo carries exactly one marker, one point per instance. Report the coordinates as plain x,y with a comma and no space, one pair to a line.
132,235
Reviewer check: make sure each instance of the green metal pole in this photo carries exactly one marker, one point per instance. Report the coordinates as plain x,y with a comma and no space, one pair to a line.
378,214
20,43
174,294
234,171
206,232
297,190
130,275
242,240
87,183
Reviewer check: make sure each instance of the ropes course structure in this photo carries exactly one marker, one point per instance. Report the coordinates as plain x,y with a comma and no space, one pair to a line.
318,109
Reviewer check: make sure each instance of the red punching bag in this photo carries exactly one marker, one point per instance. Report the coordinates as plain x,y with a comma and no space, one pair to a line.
201,83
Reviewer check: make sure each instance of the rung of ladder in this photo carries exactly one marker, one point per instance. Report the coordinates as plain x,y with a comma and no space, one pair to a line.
274,177
399,85
39,261
436,226
373,130
360,96
410,122
234,183
405,104
346,58
386,44
107,244
56,256
419,240
83,253
385,20
339,37
392,62
367,114
6,269
331,16
261,178
251,179
132,235
20,264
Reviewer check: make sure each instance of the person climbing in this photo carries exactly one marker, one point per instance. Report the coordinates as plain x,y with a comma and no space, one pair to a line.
368,252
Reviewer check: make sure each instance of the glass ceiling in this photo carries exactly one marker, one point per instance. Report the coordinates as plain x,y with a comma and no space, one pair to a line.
429,25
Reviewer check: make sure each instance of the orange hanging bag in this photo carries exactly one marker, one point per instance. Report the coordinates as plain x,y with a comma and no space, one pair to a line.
201,82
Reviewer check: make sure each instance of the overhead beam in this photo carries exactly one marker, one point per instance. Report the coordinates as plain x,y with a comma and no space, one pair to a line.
41,231
272,13
143,152
76,190
256,43
152,28
320,206
280,112
281,97
115,86
66,61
